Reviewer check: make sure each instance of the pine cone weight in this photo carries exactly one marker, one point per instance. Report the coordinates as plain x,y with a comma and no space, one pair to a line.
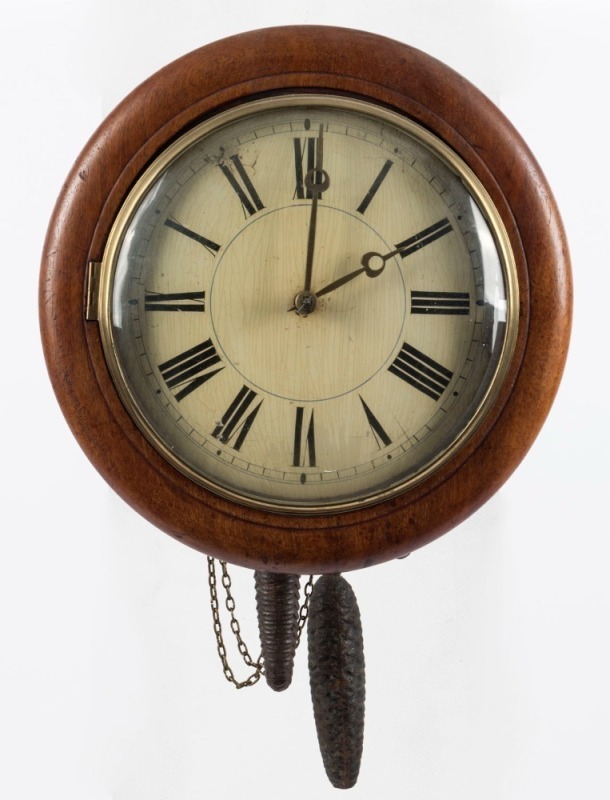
277,605
337,680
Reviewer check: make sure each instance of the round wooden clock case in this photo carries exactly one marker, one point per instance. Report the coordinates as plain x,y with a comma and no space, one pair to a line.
301,61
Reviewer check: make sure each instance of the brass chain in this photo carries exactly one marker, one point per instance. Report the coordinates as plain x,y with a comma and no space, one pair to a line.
304,609
257,665
241,645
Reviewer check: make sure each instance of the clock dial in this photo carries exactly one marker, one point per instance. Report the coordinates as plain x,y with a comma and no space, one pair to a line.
308,303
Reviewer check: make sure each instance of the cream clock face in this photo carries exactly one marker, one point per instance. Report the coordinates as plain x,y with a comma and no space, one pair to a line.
308,304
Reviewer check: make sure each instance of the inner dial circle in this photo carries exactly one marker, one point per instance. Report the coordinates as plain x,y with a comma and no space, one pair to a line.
343,342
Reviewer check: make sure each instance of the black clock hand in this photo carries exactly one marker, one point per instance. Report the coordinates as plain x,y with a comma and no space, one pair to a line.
316,181
366,268
308,300
404,249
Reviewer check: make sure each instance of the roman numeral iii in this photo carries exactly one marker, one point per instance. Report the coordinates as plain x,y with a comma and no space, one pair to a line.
191,369
421,372
440,303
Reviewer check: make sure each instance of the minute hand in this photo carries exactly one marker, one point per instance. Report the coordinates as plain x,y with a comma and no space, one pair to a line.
316,181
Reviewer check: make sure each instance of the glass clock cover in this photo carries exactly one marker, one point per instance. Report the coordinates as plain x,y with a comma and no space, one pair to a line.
308,303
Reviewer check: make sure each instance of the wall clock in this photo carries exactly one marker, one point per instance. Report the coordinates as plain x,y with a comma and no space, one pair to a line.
305,303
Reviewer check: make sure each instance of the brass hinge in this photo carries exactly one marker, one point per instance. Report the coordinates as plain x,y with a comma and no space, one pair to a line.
94,271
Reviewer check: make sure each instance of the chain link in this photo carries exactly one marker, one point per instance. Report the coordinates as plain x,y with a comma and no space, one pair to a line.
257,665
304,610
241,645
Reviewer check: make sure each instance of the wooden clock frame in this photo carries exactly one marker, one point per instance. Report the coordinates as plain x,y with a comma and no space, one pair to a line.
304,59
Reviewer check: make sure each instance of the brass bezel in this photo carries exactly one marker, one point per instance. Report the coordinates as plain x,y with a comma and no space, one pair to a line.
445,153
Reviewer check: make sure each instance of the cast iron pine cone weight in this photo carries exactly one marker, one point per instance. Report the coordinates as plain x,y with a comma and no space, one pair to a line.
336,675
277,604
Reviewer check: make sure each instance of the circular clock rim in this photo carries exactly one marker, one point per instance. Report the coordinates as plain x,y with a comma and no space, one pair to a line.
140,192
302,59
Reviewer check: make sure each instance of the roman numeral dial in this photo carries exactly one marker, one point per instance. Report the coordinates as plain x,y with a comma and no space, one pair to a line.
420,371
176,301
424,238
307,313
238,419
440,303
240,182
304,453
209,245
381,437
368,197
191,369
306,151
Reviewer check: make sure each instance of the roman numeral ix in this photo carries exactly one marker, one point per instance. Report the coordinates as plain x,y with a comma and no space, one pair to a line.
421,372
191,369
177,301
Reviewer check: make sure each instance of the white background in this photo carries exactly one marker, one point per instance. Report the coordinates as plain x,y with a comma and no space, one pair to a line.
487,651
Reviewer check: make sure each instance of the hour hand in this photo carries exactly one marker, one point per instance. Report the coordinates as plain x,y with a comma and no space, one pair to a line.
373,265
